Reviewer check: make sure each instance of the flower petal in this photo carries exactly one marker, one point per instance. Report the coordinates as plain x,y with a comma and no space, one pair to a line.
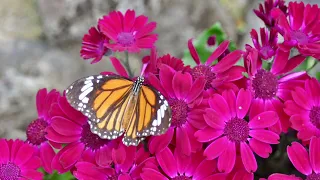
278,176
293,63
71,155
196,89
181,84
158,143
299,158
301,97
230,98
4,151
280,61
218,103
217,52
118,67
315,154
65,126
167,161
227,62
205,168
213,119
149,173
260,148
207,134
243,102
47,154
25,152
182,140
265,136
193,52
166,75
212,152
263,120
227,159
248,159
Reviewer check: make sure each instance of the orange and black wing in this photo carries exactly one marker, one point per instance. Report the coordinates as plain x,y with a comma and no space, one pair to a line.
152,116
103,99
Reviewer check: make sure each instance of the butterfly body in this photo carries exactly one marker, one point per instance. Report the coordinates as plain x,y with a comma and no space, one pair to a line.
116,105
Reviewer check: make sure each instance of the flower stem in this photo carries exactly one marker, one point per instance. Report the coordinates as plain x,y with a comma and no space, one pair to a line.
313,65
127,64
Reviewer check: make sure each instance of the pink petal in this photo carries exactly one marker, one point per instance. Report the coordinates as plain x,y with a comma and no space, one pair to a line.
292,108
158,143
147,29
299,158
260,148
71,155
280,60
242,174
47,154
230,97
227,159
265,136
297,122
155,82
124,177
196,119
182,140
58,138
315,154
193,52
205,168
213,119
167,161
207,134
301,97
103,157
40,101
248,159
296,18
293,63
32,174
72,113
152,174
166,75
313,88
263,120
243,102
278,176
118,67
217,52
4,151
25,152
65,126
33,163
218,103
217,176
212,152
227,62
129,19
196,89
232,74
257,107
119,155
181,84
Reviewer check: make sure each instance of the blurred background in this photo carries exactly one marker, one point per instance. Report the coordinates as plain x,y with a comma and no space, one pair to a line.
40,42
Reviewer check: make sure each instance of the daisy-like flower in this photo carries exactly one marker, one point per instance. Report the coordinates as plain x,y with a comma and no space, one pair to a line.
128,164
183,95
268,46
128,32
264,13
70,127
222,72
93,45
302,28
304,109
18,160
269,86
176,167
36,130
228,131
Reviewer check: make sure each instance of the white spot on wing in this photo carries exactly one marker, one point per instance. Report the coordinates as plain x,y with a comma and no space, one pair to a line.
85,93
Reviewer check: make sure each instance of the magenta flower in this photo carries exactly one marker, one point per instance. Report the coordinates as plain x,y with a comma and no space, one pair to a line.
307,163
176,167
268,46
304,109
128,32
269,86
128,164
222,72
228,131
183,95
36,130
301,30
278,176
18,160
70,127
93,45
264,13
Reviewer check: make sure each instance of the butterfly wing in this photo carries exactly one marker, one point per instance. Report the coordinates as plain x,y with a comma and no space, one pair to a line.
152,116
103,99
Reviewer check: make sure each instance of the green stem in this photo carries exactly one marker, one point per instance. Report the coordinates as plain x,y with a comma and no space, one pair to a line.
127,64
313,65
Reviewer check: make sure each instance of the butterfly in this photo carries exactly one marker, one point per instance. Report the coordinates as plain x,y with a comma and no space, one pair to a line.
116,105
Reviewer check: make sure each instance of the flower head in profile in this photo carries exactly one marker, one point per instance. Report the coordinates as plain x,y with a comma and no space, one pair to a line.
301,29
270,86
128,32
222,72
264,12
183,95
19,160
229,132
304,109
37,130
93,45
268,46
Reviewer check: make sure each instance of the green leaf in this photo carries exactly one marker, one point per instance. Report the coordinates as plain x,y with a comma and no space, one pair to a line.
56,176
318,75
200,43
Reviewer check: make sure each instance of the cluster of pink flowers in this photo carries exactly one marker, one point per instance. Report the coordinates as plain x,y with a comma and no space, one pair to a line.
225,116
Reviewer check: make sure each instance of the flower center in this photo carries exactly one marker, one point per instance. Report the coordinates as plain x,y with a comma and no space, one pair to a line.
300,37
265,84
203,71
181,177
91,140
9,171
179,112
266,52
315,116
237,130
313,177
126,39
36,131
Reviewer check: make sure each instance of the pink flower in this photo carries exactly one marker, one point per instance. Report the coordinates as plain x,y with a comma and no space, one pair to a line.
18,160
269,87
304,109
176,167
268,46
128,163
36,130
228,131
70,127
307,163
301,30
183,95
93,45
222,72
264,13
278,176
128,32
